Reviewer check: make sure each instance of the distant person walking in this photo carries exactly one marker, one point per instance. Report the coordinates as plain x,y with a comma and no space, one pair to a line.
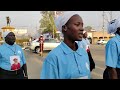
30,40
85,43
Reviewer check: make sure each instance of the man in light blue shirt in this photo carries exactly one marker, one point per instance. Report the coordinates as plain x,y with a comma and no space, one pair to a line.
6,52
12,59
86,45
67,61
112,55
85,42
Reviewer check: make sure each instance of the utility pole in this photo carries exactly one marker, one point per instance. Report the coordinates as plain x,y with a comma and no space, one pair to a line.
103,24
56,14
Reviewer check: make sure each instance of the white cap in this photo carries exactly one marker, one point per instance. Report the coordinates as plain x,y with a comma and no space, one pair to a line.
5,33
113,25
63,19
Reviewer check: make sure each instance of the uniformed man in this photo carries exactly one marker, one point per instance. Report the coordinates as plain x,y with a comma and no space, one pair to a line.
8,52
67,61
112,55
85,43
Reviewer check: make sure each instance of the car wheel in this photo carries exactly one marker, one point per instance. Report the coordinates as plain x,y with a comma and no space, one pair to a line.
37,49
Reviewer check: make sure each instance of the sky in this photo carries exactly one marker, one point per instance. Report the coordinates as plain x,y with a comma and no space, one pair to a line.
20,18
30,19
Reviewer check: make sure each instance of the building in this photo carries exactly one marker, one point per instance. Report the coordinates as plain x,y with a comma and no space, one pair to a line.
6,28
17,31
96,35
20,31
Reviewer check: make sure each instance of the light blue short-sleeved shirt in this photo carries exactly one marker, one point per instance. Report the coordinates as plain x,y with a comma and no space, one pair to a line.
64,63
112,54
6,51
84,43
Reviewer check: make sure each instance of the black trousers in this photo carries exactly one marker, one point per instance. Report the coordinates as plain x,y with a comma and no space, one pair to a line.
106,73
92,63
5,74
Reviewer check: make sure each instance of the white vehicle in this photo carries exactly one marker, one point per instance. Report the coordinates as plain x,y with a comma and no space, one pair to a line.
49,44
101,41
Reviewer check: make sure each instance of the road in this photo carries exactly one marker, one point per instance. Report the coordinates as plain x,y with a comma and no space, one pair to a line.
98,53
34,62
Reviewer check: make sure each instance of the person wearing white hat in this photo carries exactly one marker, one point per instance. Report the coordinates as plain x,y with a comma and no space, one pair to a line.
85,43
112,52
5,34
67,61
8,52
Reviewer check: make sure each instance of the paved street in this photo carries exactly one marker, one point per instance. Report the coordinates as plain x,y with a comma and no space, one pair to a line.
98,53
34,62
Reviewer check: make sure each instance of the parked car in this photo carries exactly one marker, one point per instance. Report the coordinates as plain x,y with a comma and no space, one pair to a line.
101,42
49,44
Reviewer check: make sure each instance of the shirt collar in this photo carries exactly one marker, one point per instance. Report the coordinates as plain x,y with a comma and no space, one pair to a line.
79,51
68,50
9,45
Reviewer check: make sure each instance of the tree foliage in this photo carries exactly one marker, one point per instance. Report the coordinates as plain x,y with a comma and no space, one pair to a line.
88,28
47,22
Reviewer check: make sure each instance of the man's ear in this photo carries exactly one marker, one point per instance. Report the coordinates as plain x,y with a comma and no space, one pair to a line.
64,28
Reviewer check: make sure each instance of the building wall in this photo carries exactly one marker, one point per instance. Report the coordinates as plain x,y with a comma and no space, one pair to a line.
20,31
90,34
99,35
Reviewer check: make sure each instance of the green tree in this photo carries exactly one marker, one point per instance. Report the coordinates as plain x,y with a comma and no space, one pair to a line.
88,28
47,22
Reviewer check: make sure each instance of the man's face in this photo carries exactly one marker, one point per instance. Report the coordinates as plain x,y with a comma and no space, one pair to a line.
15,60
75,28
10,38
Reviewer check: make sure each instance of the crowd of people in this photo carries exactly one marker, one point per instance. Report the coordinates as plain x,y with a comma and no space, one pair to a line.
73,59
